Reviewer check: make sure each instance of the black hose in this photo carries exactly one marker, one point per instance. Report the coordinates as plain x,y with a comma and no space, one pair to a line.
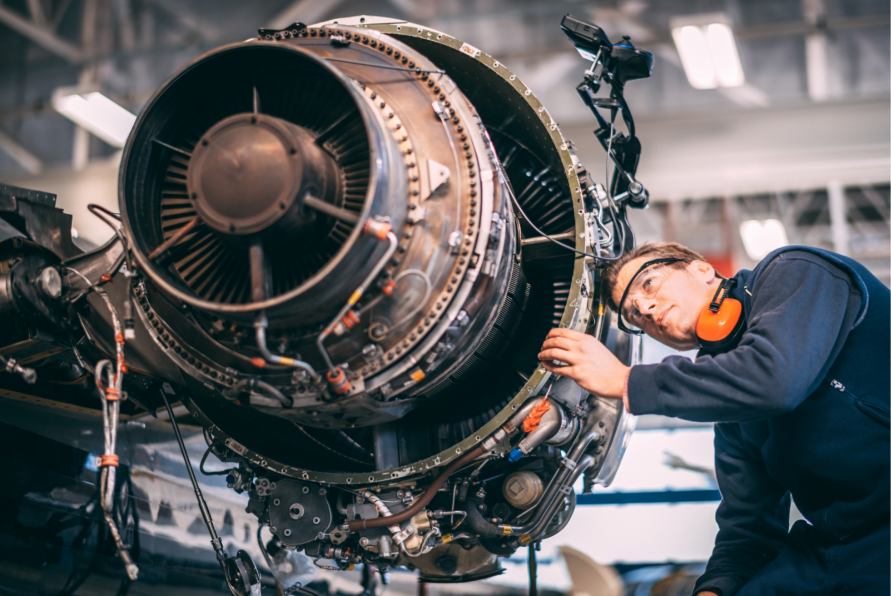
479,524
205,472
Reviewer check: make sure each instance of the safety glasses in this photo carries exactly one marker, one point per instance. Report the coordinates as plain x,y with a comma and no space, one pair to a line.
645,283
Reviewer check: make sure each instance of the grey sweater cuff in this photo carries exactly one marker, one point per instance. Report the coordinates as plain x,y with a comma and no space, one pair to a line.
643,390
727,585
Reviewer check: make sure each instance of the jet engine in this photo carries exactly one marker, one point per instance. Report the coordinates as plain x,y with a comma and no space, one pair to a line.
339,248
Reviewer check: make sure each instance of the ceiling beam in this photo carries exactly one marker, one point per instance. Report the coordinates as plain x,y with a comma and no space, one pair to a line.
37,14
22,156
42,36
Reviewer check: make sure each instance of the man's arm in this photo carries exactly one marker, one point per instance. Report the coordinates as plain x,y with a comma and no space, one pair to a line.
801,315
753,516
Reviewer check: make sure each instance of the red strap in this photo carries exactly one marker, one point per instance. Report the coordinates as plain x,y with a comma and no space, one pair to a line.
534,418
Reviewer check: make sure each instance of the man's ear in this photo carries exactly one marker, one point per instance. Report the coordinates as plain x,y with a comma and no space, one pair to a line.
703,271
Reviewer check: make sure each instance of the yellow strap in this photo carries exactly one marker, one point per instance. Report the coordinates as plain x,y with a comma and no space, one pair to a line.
355,297
525,539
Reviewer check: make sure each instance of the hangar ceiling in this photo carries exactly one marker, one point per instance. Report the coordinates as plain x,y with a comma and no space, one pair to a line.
813,112
793,52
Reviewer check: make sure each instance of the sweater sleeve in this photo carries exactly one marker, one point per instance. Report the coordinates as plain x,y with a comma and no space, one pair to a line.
802,311
753,517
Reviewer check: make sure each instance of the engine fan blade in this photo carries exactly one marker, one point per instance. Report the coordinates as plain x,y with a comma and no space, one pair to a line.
332,210
173,240
260,274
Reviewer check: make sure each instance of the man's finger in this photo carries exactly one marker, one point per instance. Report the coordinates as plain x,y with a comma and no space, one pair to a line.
566,333
565,371
559,342
557,354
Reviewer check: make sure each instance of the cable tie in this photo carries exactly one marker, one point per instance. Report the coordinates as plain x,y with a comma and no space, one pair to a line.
112,394
570,463
108,460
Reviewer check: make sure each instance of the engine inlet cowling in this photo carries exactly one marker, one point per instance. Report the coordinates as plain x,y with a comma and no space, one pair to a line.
328,241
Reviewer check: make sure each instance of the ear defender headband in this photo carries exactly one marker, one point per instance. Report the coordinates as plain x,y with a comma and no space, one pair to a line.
723,322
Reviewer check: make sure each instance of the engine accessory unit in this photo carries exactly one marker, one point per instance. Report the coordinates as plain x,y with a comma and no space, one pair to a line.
522,489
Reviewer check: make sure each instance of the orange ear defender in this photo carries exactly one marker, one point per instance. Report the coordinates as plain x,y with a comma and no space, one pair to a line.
723,322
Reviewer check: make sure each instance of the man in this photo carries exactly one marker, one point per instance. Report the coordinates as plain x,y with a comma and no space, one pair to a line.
801,402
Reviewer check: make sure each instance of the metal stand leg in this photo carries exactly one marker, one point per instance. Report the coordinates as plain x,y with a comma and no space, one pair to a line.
241,573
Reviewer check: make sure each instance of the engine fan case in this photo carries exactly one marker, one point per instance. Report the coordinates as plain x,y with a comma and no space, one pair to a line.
509,111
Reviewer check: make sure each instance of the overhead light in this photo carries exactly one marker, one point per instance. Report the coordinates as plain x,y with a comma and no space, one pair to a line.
96,113
708,51
762,237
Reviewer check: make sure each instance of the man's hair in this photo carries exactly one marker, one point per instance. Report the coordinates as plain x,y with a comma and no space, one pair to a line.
651,250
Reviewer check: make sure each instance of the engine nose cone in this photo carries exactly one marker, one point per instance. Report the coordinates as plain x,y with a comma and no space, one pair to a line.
247,173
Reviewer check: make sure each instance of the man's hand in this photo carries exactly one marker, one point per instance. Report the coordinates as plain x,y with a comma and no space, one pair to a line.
590,363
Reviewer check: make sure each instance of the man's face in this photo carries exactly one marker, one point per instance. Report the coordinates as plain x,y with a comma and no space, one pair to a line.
665,301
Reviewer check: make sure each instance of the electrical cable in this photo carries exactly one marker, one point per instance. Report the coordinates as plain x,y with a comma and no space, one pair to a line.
263,546
620,233
205,472
97,210
110,395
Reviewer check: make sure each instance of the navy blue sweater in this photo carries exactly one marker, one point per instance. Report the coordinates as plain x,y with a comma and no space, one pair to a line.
801,404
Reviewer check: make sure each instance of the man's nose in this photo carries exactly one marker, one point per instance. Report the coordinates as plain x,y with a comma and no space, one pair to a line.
645,306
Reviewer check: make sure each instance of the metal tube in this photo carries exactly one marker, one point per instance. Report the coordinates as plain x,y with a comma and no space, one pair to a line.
547,428
260,325
251,383
574,455
354,298
551,508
